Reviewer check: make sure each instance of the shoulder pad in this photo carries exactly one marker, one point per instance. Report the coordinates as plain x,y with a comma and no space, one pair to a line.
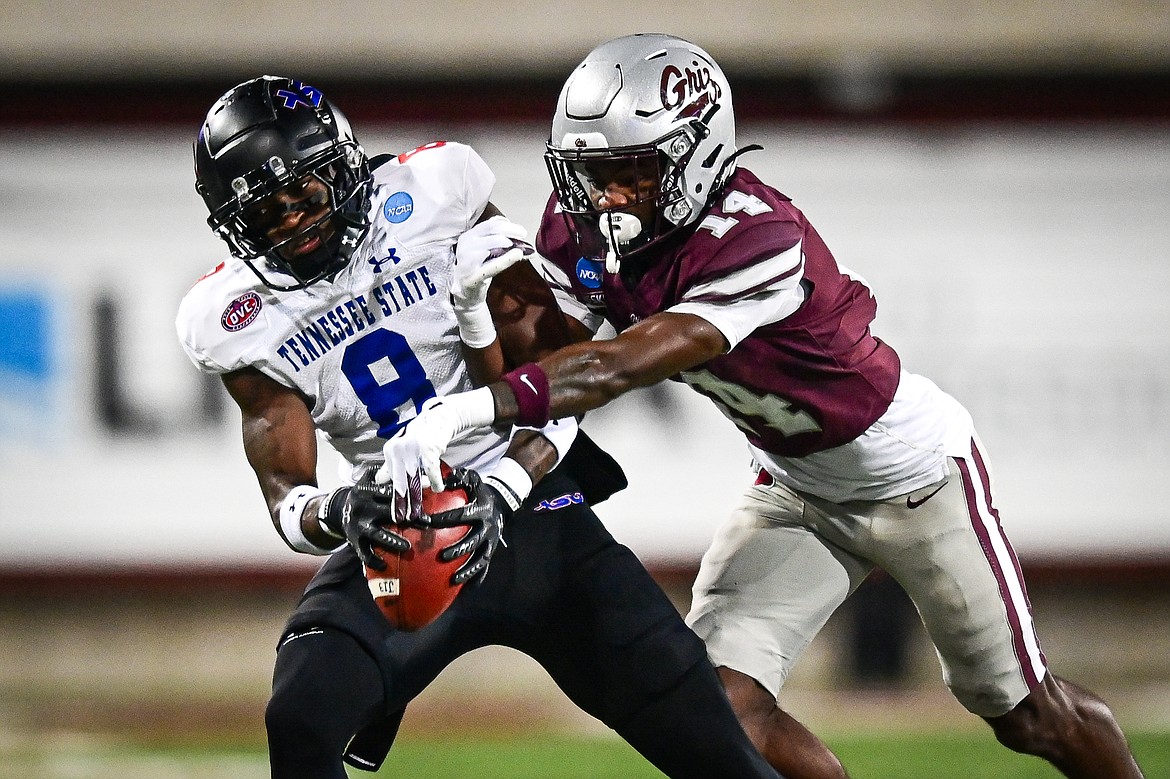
214,317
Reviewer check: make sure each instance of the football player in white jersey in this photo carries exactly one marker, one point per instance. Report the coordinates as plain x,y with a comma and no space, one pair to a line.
354,285
713,278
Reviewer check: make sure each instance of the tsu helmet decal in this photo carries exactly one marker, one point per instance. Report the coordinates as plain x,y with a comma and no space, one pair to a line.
303,94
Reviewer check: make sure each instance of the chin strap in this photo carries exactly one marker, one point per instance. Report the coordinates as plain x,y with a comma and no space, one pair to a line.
618,227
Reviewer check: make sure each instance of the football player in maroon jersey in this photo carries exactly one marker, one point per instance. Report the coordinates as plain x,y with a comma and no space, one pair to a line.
713,278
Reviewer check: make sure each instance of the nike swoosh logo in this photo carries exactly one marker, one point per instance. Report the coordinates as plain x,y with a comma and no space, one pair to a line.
524,378
913,504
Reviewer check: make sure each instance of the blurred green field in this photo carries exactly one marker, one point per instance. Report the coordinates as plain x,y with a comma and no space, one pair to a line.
125,687
874,756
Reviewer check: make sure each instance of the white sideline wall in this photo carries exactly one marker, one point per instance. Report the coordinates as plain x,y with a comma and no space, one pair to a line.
1024,270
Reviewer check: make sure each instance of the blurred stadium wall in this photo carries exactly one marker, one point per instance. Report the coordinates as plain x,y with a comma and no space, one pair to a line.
998,171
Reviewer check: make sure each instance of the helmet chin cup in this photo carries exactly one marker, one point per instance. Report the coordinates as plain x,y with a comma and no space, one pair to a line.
618,227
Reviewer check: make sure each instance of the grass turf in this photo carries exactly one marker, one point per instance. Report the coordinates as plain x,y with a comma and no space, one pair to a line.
972,755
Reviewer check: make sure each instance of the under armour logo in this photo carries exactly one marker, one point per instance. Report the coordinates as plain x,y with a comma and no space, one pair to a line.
377,264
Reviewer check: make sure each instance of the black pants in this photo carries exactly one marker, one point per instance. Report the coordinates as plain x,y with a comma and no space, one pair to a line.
562,591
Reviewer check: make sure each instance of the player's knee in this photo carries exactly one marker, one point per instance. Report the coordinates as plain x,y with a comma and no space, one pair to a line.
1055,713
284,719
291,717
795,751
302,686
297,746
783,741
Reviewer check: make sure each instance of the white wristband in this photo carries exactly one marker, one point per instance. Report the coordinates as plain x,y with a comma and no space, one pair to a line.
511,481
476,328
292,509
472,409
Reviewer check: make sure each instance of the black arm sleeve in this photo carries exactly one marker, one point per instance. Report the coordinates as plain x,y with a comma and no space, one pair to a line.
595,471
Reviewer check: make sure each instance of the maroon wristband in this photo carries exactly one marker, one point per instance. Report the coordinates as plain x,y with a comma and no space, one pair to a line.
530,386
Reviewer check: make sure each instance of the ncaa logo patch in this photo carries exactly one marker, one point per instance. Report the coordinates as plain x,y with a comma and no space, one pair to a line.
398,207
589,273
241,312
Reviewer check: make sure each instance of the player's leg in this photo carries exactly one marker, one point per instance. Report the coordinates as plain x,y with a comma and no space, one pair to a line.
951,555
766,586
325,687
1069,727
690,730
620,650
343,677
586,609
1066,725
788,744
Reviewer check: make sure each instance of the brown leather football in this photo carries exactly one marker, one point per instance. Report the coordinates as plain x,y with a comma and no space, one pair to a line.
416,586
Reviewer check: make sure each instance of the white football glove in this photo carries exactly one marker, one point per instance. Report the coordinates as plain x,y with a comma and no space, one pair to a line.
481,253
420,445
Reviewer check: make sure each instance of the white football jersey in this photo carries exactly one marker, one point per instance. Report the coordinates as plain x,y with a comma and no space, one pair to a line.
371,345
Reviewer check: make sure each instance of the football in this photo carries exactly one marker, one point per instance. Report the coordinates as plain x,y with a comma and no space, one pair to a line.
416,586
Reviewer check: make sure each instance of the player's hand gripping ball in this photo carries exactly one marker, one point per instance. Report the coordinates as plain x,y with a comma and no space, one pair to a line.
416,587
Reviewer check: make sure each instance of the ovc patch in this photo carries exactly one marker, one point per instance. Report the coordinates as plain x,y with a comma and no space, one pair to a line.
241,312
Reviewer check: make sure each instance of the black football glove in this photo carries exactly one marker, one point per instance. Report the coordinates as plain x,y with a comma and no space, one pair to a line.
486,512
362,513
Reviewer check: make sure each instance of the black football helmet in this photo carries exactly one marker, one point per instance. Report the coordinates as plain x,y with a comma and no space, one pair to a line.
265,135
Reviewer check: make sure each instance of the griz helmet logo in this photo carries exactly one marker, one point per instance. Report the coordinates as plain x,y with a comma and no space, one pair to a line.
692,89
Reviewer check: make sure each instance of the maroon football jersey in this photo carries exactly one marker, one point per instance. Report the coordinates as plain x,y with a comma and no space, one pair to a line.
814,380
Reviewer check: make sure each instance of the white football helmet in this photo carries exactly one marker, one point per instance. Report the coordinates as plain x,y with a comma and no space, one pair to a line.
660,105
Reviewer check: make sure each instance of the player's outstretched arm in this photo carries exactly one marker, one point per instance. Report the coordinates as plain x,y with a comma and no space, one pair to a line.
486,250
530,323
507,314
566,383
587,375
